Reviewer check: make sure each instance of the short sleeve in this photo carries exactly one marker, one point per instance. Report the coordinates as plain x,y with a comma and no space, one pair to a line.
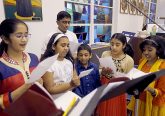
105,54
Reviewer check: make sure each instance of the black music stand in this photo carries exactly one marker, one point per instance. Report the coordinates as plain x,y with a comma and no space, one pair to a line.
138,84
134,87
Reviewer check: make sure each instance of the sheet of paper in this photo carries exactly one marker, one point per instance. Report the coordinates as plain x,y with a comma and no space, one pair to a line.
40,70
107,62
135,73
73,47
132,74
64,100
110,87
119,74
85,73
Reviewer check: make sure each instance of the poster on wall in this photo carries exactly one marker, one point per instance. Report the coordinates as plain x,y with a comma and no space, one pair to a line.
23,9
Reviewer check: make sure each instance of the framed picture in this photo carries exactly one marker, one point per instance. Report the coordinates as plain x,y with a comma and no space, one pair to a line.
140,5
124,7
23,9
133,10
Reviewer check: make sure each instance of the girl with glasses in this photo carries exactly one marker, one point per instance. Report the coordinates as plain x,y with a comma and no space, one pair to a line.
15,64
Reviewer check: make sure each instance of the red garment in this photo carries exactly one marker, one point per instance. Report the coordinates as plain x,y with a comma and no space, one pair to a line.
112,107
12,75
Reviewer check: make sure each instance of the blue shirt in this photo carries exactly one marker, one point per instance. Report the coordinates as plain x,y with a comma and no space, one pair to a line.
89,82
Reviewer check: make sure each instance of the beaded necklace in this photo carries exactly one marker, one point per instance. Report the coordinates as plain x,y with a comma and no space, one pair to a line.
12,61
118,63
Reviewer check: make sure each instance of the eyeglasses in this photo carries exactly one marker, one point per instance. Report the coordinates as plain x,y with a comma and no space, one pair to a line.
20,35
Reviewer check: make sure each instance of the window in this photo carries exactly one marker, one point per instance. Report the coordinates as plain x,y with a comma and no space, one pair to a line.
91,19
150,10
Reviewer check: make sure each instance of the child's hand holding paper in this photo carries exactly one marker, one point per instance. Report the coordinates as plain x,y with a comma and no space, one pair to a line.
75,82
107,72
107,62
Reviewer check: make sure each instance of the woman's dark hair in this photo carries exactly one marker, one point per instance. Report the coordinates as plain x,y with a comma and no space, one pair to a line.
157,42
128,48
63,14
50,52
84,47
7,27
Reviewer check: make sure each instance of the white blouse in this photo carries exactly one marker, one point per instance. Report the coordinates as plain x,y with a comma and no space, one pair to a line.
63,71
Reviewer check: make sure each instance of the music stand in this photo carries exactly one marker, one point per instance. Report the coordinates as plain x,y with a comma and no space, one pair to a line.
138,84
136,90
134,87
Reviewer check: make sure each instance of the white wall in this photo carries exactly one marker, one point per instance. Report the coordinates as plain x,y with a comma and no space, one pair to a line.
126,22
40,29
160,11
50,8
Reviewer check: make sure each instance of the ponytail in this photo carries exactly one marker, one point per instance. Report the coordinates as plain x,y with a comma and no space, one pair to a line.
3,45
128,50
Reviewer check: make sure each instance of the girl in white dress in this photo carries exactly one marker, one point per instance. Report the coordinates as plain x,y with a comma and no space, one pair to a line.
60,77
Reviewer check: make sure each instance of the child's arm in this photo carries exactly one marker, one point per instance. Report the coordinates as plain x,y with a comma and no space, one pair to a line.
54,88
75,80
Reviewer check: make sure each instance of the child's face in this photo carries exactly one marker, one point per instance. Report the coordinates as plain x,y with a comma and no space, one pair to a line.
150,52
116,46
84,56
62,47
18,40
